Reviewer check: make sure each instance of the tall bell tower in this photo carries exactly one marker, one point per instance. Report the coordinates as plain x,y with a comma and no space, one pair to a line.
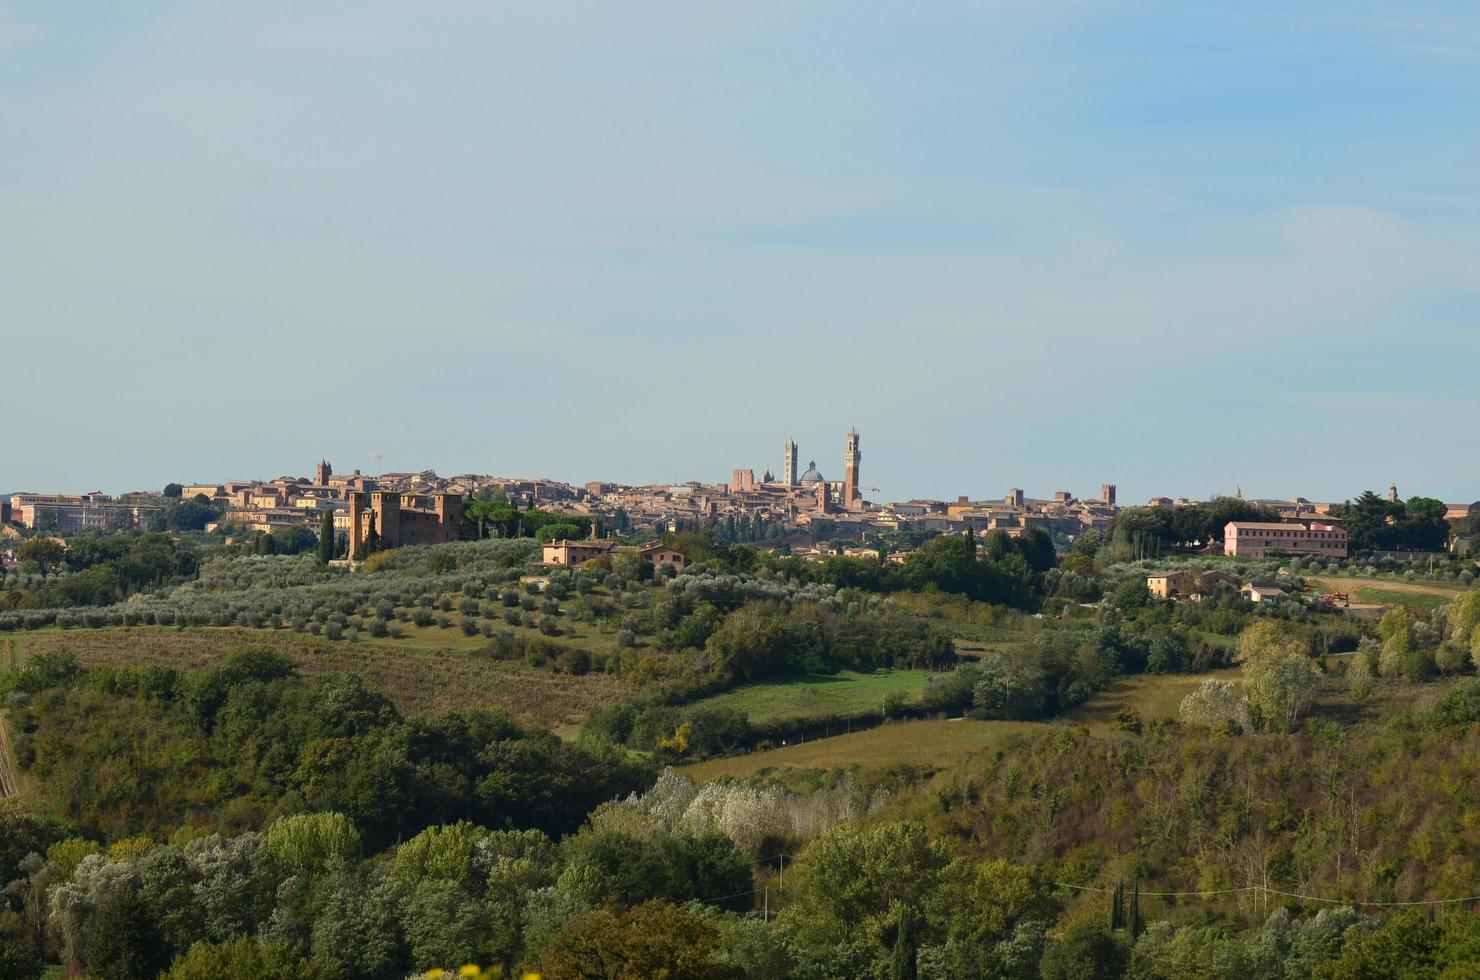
789,469
851,458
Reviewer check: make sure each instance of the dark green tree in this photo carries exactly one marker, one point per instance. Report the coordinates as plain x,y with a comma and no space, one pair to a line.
1135,924
1088,951
326,538
1422,526
1367,525
905,964
126,943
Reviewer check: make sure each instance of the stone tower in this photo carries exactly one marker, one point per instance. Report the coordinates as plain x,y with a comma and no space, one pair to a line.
789,468
1107,494
322,473
851,457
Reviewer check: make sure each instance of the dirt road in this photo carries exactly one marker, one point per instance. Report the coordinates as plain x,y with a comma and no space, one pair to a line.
8,785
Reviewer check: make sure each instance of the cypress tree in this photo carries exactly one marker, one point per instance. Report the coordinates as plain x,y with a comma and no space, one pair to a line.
906,949
326,538
1117,906
1135,912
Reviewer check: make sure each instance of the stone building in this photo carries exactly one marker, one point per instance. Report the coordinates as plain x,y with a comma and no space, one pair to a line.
398,524
1253,539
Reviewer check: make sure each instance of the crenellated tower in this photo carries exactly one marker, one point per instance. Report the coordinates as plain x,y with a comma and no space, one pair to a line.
851,458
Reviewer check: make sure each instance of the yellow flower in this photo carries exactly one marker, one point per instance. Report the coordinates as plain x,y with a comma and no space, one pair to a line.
470,970
436,973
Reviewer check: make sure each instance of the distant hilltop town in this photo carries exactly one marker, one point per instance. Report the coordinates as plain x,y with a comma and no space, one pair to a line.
416,508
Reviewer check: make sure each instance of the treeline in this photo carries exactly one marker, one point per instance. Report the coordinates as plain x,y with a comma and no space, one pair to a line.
1149,532
997,569
97,571
498,518
122,752
1375,523
1372,523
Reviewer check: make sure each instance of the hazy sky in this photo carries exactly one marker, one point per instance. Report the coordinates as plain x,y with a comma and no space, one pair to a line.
1174,246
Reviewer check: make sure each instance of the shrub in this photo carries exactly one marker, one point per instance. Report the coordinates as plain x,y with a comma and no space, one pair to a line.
575,661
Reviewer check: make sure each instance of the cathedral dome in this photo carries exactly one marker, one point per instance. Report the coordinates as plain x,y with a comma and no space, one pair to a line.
812,476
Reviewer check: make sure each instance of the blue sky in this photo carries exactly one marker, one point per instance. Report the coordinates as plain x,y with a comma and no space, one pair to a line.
1177,246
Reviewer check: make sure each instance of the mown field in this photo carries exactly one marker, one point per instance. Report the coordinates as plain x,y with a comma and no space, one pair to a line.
844,693
936,743
1423,596
420,679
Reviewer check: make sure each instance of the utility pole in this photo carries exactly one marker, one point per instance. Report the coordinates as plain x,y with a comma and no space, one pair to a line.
766,908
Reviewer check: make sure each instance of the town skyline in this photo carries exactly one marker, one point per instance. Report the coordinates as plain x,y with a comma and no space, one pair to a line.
1131,493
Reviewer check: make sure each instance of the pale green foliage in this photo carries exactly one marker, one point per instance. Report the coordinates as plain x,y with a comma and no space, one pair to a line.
1396,630
1268,636
310,842
1463,614
1451,658
74,903
748,813
244,959
220,872
1214,704
1281,686
438,852
1362,666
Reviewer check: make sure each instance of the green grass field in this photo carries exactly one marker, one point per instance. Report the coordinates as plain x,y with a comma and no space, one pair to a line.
940,743
802,697
926,743
1379,596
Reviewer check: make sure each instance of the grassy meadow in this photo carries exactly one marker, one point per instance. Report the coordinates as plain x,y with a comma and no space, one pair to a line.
935,743
843,693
